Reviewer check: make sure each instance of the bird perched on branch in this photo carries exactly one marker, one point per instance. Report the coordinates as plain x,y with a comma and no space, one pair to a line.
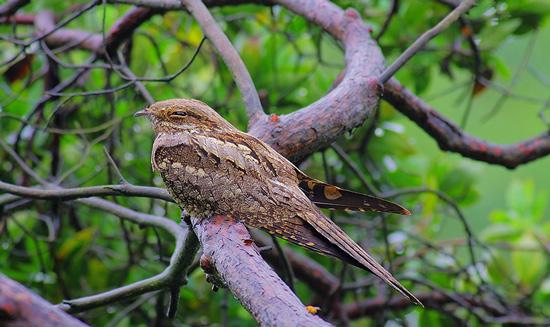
212,168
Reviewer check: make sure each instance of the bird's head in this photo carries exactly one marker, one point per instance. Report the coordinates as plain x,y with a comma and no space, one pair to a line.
178,115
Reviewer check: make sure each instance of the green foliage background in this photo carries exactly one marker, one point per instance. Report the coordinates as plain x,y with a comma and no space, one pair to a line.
293,63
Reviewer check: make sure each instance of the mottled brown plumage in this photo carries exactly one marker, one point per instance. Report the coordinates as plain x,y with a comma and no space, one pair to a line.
210,167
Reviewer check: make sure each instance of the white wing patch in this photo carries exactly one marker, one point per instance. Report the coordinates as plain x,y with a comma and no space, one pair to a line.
167,140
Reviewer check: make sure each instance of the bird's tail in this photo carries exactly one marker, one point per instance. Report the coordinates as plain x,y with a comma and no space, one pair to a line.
362,259
334,241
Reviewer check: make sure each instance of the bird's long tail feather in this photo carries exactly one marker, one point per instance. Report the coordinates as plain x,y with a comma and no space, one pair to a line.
350,251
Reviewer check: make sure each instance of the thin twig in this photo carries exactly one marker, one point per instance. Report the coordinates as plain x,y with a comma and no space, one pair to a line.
356,170
230,56
185,249
464,6
394,8
68,194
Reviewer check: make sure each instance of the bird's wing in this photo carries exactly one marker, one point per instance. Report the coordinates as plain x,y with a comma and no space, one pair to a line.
249,155
333,197
234,147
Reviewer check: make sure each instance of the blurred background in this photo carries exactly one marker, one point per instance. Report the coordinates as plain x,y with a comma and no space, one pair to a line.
477,230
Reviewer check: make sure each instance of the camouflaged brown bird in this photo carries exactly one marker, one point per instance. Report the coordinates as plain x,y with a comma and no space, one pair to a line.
212,168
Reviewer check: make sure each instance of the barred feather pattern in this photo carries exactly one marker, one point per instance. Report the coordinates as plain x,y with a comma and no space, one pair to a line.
209,167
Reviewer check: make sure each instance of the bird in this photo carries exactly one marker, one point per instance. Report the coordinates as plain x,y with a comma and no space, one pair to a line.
211,168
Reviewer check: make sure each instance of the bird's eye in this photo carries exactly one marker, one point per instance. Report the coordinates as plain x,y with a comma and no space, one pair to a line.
179,113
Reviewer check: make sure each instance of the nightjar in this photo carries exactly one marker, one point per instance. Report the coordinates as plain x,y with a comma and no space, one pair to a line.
212,168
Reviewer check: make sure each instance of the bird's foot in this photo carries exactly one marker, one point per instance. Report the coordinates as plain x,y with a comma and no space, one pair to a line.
212,275
185,218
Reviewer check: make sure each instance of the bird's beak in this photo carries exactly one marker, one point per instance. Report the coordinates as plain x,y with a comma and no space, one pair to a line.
142,112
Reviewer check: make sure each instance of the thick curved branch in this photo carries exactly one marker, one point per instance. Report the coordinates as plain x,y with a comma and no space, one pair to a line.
227,245
21,307
451,138
316,126
230,56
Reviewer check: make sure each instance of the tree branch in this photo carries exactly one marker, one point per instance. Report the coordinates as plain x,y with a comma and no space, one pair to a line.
230,56
120,31
21,307
451,138
464,6
45,23
495,313
177,5
11,6
66,194
228,246
316,126
20,19
173,276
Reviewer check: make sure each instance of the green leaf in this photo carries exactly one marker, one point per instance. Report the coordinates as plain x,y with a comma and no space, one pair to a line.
520,198
500,232
80,240
500,67
540,7
492,37
529,264
499,269
97,274
499,216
